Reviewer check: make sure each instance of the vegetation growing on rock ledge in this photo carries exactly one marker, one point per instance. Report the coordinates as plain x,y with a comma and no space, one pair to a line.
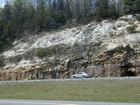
131,28
1,62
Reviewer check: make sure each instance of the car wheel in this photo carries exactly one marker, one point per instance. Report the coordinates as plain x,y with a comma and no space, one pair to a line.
73,77
83,76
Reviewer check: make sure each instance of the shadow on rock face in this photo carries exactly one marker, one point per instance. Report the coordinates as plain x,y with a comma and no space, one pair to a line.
127,71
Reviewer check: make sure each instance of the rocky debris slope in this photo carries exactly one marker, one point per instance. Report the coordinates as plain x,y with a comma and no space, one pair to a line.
104,49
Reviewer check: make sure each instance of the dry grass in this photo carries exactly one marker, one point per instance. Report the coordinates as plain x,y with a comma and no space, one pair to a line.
91,90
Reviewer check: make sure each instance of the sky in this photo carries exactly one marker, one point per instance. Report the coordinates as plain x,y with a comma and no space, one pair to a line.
2,0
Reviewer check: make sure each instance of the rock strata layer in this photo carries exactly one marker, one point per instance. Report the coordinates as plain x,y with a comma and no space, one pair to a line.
104,49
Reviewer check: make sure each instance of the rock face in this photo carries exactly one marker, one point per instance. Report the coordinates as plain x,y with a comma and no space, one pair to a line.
104,49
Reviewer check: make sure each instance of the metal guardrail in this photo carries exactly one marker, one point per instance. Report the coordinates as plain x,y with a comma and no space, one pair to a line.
78,79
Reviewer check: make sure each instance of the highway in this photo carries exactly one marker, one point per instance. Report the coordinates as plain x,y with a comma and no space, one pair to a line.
77,79
43,102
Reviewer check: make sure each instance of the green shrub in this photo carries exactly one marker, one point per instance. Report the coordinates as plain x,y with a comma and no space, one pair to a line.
29,54
17,58
52,50
46,52
131,28
41,52
2,62
138,18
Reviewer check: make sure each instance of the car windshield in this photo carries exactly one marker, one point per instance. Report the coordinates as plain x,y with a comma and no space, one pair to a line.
80,73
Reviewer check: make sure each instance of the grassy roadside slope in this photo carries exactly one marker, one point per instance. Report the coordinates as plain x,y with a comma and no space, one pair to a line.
91,90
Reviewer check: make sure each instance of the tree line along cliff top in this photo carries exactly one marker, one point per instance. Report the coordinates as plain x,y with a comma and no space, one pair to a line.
21,18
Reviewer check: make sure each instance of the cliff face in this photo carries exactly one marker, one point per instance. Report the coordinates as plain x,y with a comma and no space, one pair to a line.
108,48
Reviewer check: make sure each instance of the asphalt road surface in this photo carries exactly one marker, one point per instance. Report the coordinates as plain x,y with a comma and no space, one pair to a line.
35,102
103,78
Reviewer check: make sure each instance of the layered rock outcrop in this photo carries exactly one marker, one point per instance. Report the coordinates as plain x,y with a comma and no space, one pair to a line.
103,49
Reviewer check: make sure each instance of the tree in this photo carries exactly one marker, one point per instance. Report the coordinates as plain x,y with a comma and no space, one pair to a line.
131,6
119,6
54,4
113,12
68,10
6,12
60,5
32,16
77,5
40,15
91,6
101,9
29,24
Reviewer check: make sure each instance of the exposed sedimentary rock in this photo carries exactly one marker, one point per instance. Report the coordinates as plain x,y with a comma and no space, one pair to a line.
104,49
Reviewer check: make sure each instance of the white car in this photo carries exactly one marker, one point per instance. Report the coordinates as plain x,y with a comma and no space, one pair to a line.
81,75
